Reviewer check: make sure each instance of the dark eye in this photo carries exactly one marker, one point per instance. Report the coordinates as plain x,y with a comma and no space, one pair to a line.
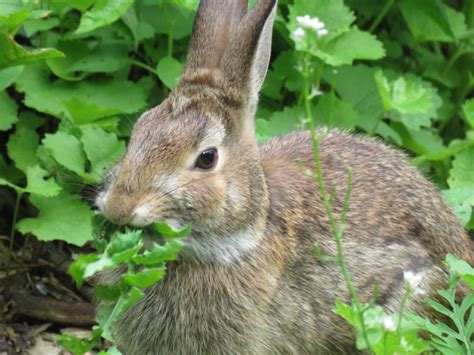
207,160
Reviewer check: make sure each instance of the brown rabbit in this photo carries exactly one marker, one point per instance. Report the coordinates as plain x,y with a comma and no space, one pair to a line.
247,281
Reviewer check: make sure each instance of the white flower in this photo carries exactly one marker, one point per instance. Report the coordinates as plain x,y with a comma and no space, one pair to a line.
413,281
298,34
388,324
322,32
312,23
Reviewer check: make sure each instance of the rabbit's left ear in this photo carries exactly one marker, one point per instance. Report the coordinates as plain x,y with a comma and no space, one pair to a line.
245,60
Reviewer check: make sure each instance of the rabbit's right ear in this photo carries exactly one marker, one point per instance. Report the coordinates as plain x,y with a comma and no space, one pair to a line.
214,24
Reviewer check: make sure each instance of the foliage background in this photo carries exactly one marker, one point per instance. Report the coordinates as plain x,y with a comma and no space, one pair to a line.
75,75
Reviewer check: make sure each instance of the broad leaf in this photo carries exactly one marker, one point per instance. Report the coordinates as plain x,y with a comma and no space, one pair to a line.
102,149
103,13
65,217
169,70
8,111
67,150
13,54
427,20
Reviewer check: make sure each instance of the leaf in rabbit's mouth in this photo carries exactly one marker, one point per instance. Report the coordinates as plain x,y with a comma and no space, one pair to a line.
168,232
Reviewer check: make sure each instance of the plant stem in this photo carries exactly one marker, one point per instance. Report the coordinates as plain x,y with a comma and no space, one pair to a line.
457,54
337,230
15,215
144,66
170,45
402,307
381,15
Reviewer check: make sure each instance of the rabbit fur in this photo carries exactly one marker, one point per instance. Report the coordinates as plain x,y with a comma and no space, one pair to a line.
248,281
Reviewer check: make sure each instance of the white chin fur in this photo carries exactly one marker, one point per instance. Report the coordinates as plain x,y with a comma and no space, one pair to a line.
223,250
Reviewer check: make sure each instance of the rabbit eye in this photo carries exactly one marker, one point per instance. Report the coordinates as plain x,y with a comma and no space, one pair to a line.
207,160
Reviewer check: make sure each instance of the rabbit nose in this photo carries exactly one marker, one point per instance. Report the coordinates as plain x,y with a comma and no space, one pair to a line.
118,210
120,219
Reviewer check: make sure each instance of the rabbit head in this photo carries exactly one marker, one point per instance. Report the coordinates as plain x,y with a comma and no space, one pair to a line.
194,159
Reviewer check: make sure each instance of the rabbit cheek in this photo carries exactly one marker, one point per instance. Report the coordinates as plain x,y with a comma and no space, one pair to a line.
207,198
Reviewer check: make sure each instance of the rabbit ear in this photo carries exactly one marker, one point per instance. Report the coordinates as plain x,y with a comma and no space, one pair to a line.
245,60
214,24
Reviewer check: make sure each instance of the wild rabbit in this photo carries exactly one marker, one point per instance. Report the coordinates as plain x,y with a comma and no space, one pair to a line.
248,281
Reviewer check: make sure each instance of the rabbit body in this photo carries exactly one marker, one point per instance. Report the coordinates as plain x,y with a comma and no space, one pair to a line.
278,299
248,280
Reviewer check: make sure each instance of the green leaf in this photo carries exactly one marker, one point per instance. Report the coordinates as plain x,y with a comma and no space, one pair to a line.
65,217
159,253
124,241
38,185
83,102
468,110
461,174
457,22
9,75
409,99
144,278
74,344
108,292
461,268
12,15
23,143
34,25
124,303
350,46
81,5
427,20
169,70
332,112
102,149
78,268
346,312
168,232
87,57
462,202
364,97
8,111
165,19
279,123
14,54
103,13
67,150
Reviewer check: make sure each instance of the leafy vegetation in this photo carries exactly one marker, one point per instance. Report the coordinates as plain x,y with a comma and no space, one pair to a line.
74,76
137,268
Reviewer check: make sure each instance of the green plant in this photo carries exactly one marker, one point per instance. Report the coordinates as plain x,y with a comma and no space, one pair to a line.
136,268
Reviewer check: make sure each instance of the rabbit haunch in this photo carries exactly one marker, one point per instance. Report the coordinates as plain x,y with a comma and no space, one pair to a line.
248,281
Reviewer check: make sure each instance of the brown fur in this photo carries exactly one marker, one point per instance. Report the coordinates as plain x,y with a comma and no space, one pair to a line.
269,294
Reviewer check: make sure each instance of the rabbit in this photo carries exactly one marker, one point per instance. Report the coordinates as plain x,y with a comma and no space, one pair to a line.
247,280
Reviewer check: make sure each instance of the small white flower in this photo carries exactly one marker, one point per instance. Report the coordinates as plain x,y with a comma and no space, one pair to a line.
298,34
322,32
413,281
312,23
388,324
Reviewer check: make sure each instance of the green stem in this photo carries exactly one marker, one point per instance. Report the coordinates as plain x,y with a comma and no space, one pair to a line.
337,231
15,216
144,66
170,44
457,54
381,15
402,308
